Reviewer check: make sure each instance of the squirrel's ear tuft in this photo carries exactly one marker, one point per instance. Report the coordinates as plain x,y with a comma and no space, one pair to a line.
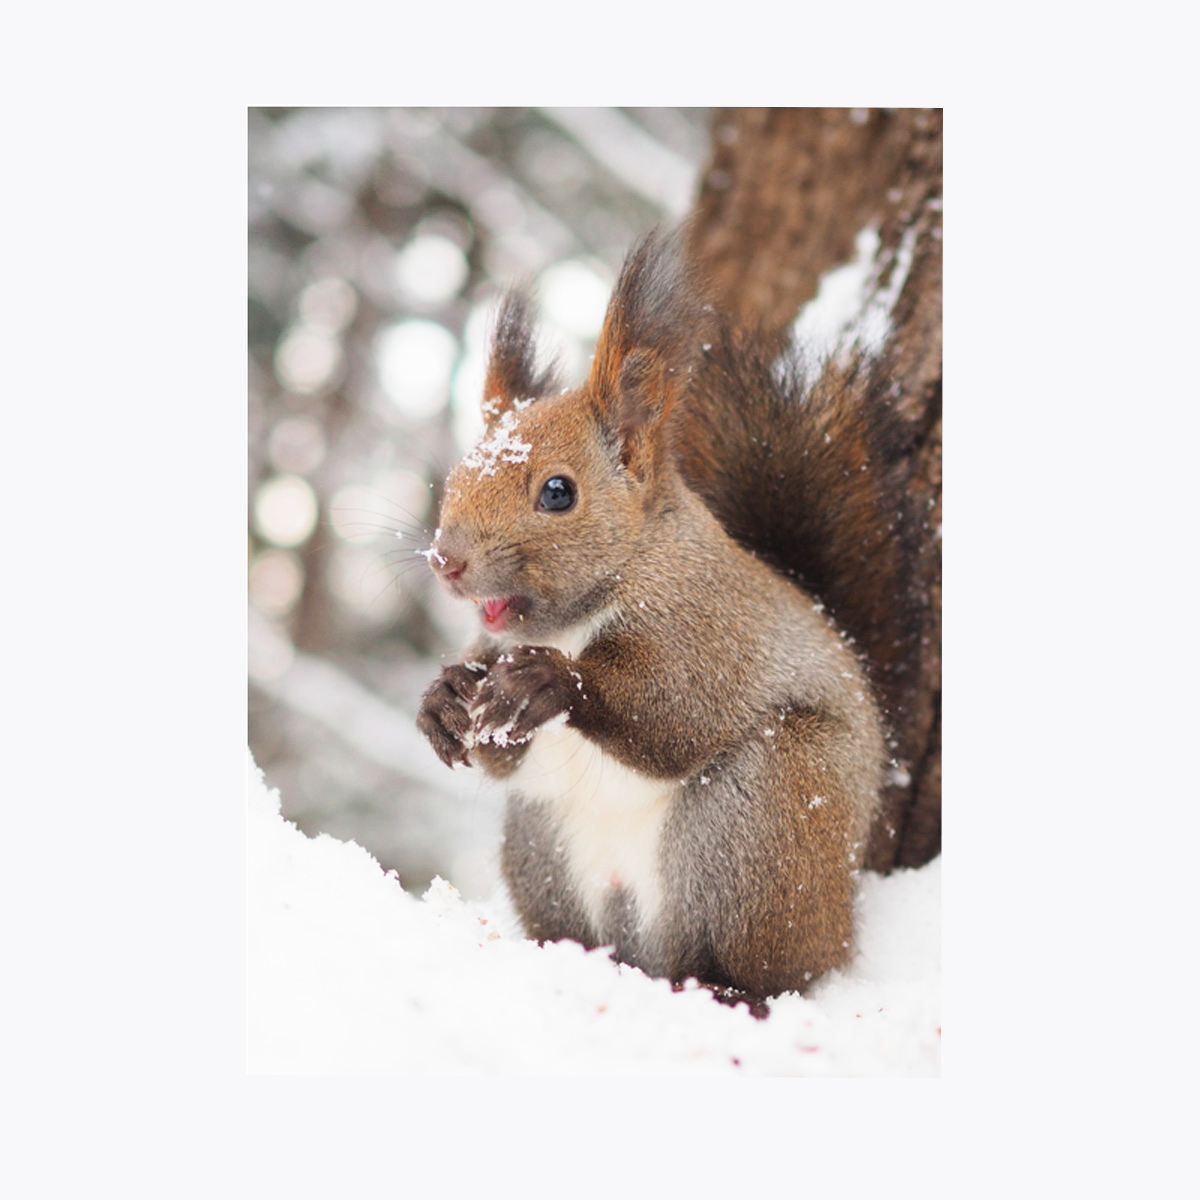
640,404
653,334
514,371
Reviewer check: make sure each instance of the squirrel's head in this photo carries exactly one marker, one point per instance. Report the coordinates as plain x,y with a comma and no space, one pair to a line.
541,517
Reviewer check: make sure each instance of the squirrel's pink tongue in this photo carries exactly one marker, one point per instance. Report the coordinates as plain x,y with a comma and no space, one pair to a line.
493,608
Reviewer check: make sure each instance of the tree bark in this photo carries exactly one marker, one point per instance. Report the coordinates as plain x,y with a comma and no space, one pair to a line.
781,202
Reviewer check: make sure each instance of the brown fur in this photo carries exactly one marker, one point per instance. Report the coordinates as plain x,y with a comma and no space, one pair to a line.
514,371
809,471
712,818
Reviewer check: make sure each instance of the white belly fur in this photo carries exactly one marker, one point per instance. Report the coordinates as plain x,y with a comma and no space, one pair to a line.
611,817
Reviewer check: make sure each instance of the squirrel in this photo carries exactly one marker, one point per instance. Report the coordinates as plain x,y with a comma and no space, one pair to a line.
693,751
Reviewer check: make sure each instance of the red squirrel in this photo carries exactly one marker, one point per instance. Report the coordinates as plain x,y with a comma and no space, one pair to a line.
692,748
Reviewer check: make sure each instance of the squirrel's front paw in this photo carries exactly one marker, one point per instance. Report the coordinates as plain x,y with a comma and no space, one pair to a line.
524,688
444,716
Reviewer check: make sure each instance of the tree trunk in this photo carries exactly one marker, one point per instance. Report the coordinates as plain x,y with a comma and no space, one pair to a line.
781,202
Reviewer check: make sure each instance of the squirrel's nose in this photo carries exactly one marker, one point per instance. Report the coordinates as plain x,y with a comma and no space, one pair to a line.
448,566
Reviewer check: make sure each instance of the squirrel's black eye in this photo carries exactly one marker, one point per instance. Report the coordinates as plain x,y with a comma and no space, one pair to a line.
558,494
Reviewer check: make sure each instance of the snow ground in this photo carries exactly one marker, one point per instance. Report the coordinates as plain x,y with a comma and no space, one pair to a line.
347,973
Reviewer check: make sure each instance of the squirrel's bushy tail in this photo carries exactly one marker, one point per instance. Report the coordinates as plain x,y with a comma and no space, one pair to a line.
805,464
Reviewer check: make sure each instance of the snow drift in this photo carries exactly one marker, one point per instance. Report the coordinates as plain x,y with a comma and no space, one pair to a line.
347,973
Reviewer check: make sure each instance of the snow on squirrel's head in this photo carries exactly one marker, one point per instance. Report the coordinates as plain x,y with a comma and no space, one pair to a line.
539,518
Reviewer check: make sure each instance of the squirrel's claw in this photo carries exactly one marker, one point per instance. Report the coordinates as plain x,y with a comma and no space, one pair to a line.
444,718
524,689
